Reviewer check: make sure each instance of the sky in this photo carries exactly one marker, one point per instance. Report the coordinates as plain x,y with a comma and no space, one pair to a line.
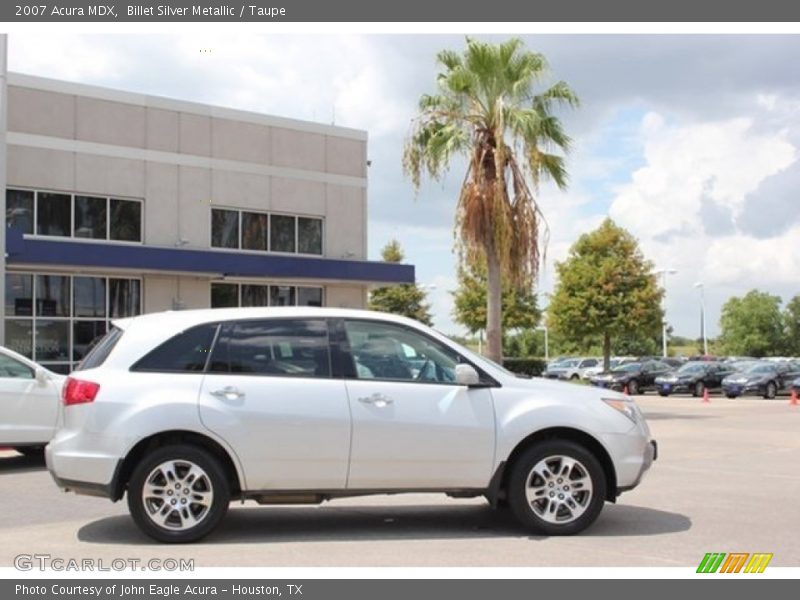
691,142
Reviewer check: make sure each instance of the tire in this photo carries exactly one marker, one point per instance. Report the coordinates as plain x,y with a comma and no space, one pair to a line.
633,387
574,377
698,390
532,474
770,391
731,396
206,495
663,394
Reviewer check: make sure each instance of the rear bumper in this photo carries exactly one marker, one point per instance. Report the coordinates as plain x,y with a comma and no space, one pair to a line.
85,464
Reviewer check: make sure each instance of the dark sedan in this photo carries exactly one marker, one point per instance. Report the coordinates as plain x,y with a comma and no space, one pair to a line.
637,377
762,379
694,377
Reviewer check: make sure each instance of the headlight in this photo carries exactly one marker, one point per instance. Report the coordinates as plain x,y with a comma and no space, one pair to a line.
626,407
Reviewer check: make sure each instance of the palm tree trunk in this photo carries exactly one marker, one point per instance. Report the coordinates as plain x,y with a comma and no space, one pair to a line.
494,306
606,351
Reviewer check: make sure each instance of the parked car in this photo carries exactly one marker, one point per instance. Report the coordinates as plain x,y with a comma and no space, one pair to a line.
185,411
693,377
614,362
571,369
796,386
762,378
29,403
636,377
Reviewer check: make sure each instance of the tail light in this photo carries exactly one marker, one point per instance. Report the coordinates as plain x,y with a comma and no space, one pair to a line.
77,391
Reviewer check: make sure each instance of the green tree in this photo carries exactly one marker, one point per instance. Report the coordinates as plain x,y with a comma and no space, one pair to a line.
407,299
752,325
791,326
489,109
520,308
606,290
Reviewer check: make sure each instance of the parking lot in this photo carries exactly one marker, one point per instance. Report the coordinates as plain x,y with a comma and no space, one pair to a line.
726,481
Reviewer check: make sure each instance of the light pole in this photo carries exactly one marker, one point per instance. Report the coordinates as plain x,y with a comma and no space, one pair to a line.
701,287
664,273
546,343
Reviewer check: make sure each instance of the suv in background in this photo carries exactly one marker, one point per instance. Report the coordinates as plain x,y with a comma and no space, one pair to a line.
186,411
571,368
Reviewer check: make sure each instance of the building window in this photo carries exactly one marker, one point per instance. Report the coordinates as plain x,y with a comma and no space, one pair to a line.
231,295
282,231
224,228
125,221
247,230
255,231
19,210
91,217
53,214
74,215
309,235
55,319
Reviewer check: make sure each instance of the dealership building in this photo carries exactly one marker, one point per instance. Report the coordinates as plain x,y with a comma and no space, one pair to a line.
118,203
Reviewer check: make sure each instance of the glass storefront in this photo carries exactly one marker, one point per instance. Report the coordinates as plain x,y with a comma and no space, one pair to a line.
54,319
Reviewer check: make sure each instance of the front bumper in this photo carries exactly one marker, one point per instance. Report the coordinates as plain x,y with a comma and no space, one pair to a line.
609,385
740,389
673,387
650,456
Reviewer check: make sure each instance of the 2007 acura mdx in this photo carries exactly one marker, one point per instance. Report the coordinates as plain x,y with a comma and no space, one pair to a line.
186,411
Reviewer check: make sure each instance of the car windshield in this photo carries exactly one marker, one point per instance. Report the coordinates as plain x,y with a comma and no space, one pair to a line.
690,369
630,367
758,369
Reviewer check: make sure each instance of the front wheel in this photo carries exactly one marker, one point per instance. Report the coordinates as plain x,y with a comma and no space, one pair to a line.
633,387
557,487
178,494
699,389
771,391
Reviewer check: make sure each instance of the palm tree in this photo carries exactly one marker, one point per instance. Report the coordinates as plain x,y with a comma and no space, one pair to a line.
487,110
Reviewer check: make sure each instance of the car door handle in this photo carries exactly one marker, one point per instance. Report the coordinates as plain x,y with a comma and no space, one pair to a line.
228,393
376,399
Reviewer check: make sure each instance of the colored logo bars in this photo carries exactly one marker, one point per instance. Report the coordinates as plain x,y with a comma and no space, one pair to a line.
735,562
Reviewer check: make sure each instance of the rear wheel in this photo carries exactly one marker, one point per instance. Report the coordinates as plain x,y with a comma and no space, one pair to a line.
771,390
557,487
178,494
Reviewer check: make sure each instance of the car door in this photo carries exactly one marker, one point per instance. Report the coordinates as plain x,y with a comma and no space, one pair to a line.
270,393
28,407
413,427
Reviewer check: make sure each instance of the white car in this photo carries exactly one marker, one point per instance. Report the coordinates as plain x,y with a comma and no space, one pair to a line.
571,369
29,403
186,411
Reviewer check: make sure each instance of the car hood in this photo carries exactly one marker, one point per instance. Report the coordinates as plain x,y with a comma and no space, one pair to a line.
563,389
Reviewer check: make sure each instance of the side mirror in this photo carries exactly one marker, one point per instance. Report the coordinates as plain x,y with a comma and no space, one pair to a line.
41,376
467,375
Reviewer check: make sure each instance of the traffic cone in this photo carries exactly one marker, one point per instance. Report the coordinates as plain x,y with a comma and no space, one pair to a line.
793,399
706,399
625,389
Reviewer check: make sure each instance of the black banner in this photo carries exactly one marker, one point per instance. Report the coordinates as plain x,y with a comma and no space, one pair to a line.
409,10
385,589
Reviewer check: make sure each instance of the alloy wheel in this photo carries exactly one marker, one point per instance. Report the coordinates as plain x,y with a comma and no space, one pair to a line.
177,495
559,489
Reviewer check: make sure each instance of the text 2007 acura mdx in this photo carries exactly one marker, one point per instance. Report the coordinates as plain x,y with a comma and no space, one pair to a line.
186,411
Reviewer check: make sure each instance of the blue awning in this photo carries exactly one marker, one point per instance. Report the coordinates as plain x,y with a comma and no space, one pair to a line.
22,250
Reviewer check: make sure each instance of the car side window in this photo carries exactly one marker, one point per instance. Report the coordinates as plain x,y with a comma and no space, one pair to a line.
14,369
186,352
589,363
276,347
394,352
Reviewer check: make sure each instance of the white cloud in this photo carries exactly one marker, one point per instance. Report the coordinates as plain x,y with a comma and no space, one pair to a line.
722,161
